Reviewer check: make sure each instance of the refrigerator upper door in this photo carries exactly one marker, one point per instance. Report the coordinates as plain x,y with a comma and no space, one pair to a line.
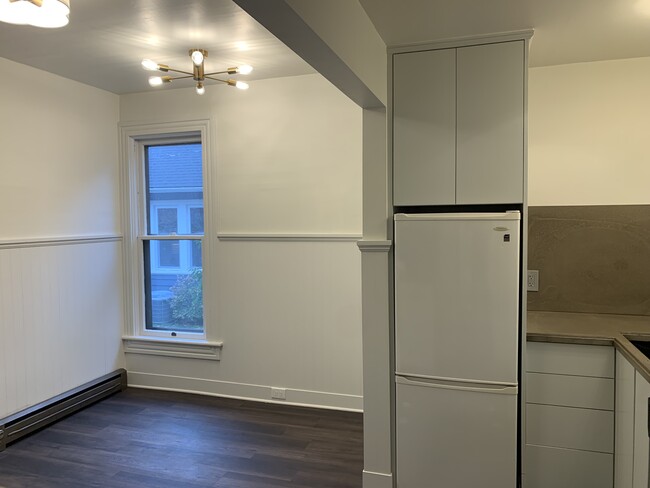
457,296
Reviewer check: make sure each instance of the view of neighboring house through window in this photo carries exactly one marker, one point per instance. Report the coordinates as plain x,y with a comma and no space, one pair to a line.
172,245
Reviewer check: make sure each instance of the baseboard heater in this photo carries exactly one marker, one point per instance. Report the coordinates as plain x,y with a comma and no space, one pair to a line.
45,413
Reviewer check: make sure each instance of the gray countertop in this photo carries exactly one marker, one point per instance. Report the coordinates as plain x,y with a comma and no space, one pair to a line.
593,329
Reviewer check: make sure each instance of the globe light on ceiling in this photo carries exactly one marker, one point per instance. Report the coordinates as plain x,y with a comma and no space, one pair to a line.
38,13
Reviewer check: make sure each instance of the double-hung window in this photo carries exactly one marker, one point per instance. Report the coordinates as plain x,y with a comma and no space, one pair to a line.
165,252
171,243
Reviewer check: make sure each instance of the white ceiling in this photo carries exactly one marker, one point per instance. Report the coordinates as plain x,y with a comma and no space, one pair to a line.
106,39
566,31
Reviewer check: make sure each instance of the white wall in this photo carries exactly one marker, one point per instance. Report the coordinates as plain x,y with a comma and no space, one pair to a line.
59,153
588,133
60,301
287,162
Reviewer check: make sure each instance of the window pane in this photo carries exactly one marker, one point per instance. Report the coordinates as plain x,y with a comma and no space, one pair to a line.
196,220
174,179
167,221
169,254
174,301
197,260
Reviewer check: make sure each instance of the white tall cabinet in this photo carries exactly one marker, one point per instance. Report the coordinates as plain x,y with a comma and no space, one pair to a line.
459,124
457,136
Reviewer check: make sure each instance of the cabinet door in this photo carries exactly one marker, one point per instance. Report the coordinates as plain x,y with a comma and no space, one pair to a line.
624,417
490,119
424,127
550,467
641,450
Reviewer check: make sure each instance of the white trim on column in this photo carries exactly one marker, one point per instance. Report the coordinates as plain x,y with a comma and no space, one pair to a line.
374,246
377,480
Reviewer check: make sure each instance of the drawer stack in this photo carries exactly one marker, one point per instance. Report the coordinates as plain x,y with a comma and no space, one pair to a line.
569,416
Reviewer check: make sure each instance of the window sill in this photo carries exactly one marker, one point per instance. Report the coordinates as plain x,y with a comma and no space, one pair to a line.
179,348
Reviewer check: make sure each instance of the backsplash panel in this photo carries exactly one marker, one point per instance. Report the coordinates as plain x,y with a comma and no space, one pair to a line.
592,259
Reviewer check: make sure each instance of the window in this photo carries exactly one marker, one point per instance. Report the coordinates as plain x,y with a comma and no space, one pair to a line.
165,246
166,252
173,273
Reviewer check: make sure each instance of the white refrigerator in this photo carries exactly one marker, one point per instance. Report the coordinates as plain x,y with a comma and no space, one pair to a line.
457,322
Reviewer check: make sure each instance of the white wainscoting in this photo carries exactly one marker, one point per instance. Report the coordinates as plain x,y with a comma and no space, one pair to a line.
61,316
289,315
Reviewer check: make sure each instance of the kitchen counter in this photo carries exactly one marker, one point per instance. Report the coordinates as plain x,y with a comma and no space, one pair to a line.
593,329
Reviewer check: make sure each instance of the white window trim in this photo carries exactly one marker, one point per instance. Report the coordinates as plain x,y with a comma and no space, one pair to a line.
136,338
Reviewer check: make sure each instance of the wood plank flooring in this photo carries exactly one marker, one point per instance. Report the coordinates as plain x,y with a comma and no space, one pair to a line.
146,438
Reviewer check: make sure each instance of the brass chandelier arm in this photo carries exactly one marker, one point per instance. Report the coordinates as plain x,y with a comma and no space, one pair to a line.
180,77
179,71
216,79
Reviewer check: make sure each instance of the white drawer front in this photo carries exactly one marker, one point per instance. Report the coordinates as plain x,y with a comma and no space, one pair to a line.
548,467
571,359
570,391
571,428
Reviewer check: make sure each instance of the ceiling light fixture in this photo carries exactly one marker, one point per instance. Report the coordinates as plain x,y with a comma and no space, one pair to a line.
198,73
39,13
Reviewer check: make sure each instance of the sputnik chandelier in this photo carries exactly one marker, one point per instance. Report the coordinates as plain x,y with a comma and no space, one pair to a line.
198,73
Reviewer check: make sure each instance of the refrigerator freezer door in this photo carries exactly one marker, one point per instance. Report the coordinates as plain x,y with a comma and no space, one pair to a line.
457,296
451,437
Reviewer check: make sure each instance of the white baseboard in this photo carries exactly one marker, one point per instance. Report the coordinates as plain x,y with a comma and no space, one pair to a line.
243,391
377,480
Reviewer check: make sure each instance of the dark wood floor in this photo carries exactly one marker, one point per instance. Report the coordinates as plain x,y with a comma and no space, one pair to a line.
145,438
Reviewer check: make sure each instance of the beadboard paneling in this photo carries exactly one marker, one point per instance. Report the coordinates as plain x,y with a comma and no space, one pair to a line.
289,316
61,319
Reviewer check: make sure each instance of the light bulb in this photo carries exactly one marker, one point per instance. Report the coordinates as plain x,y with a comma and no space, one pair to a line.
197,57
200,89
149,65
245,69
155,81
241,85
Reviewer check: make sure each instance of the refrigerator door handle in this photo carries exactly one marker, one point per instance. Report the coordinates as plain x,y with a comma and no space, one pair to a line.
502,389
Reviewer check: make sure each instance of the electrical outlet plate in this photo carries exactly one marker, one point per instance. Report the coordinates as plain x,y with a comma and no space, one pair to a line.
279,393
532,280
